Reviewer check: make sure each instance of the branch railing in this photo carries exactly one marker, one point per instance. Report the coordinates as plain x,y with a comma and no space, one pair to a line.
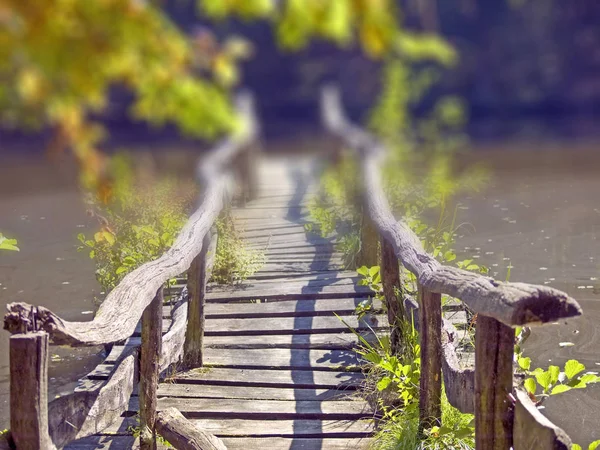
37,424
504,416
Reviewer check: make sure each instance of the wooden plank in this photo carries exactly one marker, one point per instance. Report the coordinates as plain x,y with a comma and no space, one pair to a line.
302,428
283,359
292,325
272,378
29,390
256,393
494,349
86,412
297,308
184,435
293,291
459,382
287,428
316,266
327,341
296,443
531,429
227,409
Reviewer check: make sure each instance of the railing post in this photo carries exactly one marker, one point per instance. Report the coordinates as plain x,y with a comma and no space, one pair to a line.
368,241
29,391
430,327
149,369
197,278
392,291
494,348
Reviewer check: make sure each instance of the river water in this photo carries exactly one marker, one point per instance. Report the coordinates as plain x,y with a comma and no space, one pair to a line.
540,214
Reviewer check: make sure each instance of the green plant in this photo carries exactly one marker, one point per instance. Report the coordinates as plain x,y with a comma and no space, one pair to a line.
551,381
371,278
138,225
592,446
402,433
8,244
234,261
136,432
396,389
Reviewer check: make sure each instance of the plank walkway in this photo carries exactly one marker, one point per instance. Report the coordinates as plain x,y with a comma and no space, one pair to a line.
280,371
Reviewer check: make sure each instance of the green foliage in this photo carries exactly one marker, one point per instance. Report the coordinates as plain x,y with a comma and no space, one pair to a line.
554,381
234,262
592,446
139,225
8,244
396,381
551,381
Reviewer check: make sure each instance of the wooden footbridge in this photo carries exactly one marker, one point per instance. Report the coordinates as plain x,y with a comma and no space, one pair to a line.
266,363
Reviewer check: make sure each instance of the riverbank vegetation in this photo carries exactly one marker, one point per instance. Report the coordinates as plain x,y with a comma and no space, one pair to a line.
141,221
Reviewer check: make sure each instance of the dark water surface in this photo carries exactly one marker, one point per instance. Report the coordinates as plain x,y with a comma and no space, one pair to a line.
540,214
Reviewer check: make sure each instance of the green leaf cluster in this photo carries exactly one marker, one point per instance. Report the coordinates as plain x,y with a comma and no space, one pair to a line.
8,244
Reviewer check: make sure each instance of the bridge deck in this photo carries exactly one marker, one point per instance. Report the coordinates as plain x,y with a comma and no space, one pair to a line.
280,372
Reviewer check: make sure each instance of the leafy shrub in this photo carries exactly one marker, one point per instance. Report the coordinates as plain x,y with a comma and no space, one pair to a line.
234,261
142,221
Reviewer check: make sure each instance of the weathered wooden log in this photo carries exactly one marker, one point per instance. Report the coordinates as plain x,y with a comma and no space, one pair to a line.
392,289
367,255
198,277
494,348
122,309
183,434
174,338
430,390
90,411
511,303
29,391
532,430
459,382
150,352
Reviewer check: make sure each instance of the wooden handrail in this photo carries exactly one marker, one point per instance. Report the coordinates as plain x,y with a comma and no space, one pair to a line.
511,303
122,309
501,306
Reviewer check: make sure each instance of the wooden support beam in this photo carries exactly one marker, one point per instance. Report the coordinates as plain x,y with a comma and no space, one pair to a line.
494,347
183,434
367,255
29,391
430,326
392,288
198,276
149,369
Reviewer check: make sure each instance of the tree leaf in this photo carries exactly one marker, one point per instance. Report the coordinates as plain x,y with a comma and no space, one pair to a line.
383,383
524,363
530,385
554,373
559,388
373,271
544,379
573,367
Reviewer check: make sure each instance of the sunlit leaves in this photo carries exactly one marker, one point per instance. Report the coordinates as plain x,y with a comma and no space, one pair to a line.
8,244
418,47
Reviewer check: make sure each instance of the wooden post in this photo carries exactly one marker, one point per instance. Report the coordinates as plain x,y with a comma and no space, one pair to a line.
494,347
390,277
430,325
368,242
29,391
198,275
149,369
